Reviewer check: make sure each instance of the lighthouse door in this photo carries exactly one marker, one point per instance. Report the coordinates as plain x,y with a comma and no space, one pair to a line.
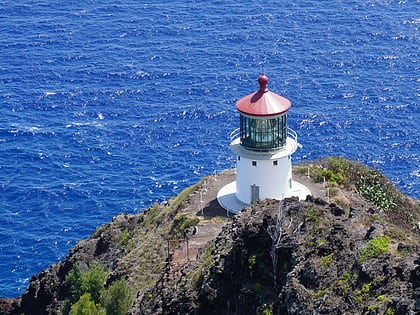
255,192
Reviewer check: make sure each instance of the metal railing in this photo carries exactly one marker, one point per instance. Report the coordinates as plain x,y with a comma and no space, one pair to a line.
292,134
235,134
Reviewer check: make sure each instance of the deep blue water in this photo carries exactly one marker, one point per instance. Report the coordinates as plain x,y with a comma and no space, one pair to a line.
109,106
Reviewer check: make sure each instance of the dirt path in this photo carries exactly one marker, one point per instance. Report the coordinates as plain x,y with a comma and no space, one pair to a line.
203,203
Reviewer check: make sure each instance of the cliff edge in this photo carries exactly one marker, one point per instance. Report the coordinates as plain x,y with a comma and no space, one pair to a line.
352,247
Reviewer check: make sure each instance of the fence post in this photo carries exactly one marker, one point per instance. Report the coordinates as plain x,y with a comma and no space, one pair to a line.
188,254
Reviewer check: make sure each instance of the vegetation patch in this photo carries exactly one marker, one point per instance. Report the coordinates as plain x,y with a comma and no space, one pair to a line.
319,217
314,214
176,202
321,292
327,260
124,238
338,197
100,229
252,260
267,311
374,248
383,298
321,174
150,215
373,188
372,308
145,261
89,295
369,183
182,222
368,219
346,283
364,294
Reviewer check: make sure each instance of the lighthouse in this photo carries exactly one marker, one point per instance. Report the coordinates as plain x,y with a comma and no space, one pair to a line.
263,145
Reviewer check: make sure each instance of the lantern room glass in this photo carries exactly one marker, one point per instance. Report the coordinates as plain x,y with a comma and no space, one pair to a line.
263,134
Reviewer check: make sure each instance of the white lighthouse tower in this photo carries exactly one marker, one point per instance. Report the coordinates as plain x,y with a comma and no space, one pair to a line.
263,145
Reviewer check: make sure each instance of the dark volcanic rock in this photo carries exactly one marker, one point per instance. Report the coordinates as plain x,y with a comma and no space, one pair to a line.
289,257
306,262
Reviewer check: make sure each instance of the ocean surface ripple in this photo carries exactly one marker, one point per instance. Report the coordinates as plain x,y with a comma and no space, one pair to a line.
109,107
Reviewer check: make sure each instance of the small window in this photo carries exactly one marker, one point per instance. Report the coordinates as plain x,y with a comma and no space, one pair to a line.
275,163
254,163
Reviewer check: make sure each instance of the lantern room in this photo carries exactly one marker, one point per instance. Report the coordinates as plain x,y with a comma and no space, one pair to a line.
261,134
263,119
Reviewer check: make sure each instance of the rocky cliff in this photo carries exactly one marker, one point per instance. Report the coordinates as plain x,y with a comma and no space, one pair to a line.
311,259
343,250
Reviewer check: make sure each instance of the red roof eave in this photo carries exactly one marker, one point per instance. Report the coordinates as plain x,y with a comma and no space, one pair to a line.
263,103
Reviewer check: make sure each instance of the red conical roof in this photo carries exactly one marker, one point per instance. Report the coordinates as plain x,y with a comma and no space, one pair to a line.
263,102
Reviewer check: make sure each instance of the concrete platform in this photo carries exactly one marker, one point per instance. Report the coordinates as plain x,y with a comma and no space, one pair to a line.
227,196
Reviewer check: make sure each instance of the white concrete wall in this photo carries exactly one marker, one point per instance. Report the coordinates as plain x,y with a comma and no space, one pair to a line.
273,180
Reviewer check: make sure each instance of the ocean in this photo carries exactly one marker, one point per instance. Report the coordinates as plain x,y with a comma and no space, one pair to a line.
110,106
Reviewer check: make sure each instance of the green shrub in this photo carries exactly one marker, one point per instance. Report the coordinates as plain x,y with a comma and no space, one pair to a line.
389,311
327,260
313,213
93,281
383,299
370,183
364,293
267,311
376,192
74,280
374,248
346,282
332,169
372,307
251,261
86,306
117,299
366,288
88,294
321,292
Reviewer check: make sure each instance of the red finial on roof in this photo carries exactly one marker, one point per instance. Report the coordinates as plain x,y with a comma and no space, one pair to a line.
263,80
263,102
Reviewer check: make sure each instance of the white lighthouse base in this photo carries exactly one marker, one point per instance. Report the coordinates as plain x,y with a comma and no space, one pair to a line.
227,196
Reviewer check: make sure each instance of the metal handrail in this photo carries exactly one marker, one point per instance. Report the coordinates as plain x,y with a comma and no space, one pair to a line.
235,134
292,134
